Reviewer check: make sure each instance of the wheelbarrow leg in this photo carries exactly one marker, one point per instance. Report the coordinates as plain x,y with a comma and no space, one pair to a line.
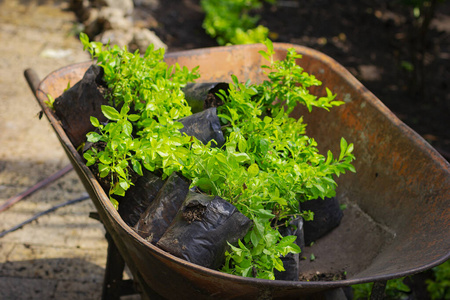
113,284
115,265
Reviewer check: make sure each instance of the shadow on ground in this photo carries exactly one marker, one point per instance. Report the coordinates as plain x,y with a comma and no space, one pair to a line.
59,278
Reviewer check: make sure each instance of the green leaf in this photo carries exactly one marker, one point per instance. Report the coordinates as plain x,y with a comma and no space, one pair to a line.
84,39
50,101
127,128
329,158
241,157
104,170
280,201
349,149
263,146
222,158
205,184
259,227
124,110
278,264
105,158
118,190
344,146
287,240
94,121
264,214
264,54
124,185
242,145
163,153
115,142
134,117
246,272
114,202
120,171
351,168
137,167
110,112
93,137
269,46
267,120
90,160
253,170
254,238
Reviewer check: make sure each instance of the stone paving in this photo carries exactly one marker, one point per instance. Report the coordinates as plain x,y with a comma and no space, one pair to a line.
61,255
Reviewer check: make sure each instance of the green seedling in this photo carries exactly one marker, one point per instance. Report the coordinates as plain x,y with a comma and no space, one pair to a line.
233,22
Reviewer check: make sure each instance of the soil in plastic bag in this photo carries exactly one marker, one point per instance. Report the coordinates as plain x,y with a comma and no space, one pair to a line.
201,229
139,197
327,216
205,126
202,96
77,104
163,209
292,260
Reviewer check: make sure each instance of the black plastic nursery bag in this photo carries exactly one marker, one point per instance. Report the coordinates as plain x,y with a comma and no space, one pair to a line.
201,96
163,209
205,126
327,216
139,197
77,104
201,229
292,260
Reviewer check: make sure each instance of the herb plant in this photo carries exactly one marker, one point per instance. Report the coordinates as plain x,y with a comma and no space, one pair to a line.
396,289
232,21
439,286
148,136
266,168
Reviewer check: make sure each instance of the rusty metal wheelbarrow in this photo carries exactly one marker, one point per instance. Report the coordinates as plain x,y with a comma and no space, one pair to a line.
398,203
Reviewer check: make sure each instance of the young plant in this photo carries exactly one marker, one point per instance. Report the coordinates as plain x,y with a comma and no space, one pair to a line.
50,101
118,152
148,137
281,166
231,21
266,168
439,286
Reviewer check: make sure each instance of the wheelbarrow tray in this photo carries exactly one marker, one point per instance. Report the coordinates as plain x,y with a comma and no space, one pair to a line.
397,217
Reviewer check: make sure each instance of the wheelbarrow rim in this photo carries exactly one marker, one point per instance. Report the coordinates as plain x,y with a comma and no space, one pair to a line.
109,208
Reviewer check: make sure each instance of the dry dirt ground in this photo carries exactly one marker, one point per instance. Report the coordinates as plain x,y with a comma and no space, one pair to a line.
61,255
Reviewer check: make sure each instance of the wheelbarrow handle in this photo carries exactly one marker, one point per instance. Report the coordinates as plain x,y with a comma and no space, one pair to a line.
32,79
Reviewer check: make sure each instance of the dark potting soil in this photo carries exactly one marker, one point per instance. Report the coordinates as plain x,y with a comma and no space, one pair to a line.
323,276
194,213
